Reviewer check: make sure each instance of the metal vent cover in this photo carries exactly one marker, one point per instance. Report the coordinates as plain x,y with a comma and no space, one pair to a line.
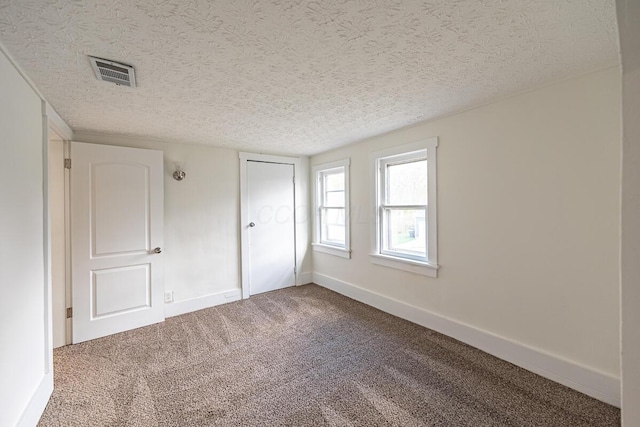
114,72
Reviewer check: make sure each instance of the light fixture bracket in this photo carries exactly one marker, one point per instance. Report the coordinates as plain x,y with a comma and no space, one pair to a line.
179,175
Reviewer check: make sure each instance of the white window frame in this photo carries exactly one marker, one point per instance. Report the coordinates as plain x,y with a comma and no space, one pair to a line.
378,159
343,251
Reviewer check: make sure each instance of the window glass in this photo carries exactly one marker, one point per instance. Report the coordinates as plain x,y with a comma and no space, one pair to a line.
334,181
407,232
407,183
333,189
333,226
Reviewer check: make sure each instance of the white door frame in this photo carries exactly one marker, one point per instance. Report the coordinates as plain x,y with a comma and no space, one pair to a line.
244,211
56,126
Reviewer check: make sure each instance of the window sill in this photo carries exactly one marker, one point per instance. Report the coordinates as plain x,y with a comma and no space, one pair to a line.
417,267
331,250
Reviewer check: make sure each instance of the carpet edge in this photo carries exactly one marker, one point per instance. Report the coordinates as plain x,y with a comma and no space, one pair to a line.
596,384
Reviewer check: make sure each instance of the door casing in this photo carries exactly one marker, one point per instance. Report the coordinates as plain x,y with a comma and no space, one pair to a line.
244,213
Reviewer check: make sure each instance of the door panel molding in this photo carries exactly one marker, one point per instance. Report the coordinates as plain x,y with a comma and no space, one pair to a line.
107,285
117,216
244,211
109,222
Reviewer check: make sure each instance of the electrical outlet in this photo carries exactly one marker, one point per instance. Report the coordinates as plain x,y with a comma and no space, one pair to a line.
168,296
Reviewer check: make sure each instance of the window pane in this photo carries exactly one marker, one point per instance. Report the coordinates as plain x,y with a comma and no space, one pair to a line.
333,189
332,227
406,231
334,181
334,199
407,183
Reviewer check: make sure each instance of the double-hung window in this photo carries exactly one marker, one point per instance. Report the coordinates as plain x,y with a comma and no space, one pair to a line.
405,208
331,231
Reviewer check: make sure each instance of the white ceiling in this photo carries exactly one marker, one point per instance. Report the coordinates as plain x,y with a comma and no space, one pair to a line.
296,76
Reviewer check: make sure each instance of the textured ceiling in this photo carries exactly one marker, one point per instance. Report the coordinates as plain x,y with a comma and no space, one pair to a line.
296,76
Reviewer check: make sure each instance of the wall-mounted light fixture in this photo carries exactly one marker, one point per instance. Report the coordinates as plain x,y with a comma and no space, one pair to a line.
179,174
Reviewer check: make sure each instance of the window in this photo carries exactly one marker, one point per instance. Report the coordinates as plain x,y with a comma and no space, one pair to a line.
331,231
405,208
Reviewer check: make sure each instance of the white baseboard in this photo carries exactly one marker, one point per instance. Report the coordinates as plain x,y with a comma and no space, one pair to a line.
305,278
193,304
32,413
593,383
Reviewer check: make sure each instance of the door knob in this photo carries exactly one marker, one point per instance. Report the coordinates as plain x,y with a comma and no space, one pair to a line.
252,224
157,250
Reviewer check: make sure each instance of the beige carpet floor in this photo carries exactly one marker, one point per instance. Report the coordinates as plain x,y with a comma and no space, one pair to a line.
301,356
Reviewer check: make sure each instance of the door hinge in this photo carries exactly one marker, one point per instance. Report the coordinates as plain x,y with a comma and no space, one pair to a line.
67,163
69,312
294,180
295,270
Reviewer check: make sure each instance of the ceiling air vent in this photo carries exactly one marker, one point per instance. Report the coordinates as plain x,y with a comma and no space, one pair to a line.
114,72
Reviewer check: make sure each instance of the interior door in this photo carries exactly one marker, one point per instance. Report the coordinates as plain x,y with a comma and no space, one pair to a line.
116,239
271,201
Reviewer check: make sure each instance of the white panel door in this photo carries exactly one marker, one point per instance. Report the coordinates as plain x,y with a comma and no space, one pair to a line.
116,239
271,214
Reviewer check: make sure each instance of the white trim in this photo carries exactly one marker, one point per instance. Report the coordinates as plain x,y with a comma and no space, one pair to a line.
48,300
39,400
67,243
432,210
431,266
40,397
177,308
244,213
596,384
431,142
332,165
332,250
58,125
256,157
418,267
306,278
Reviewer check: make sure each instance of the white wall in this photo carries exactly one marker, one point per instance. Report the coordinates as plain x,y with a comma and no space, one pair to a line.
25,358
528,217
202,235
629,27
